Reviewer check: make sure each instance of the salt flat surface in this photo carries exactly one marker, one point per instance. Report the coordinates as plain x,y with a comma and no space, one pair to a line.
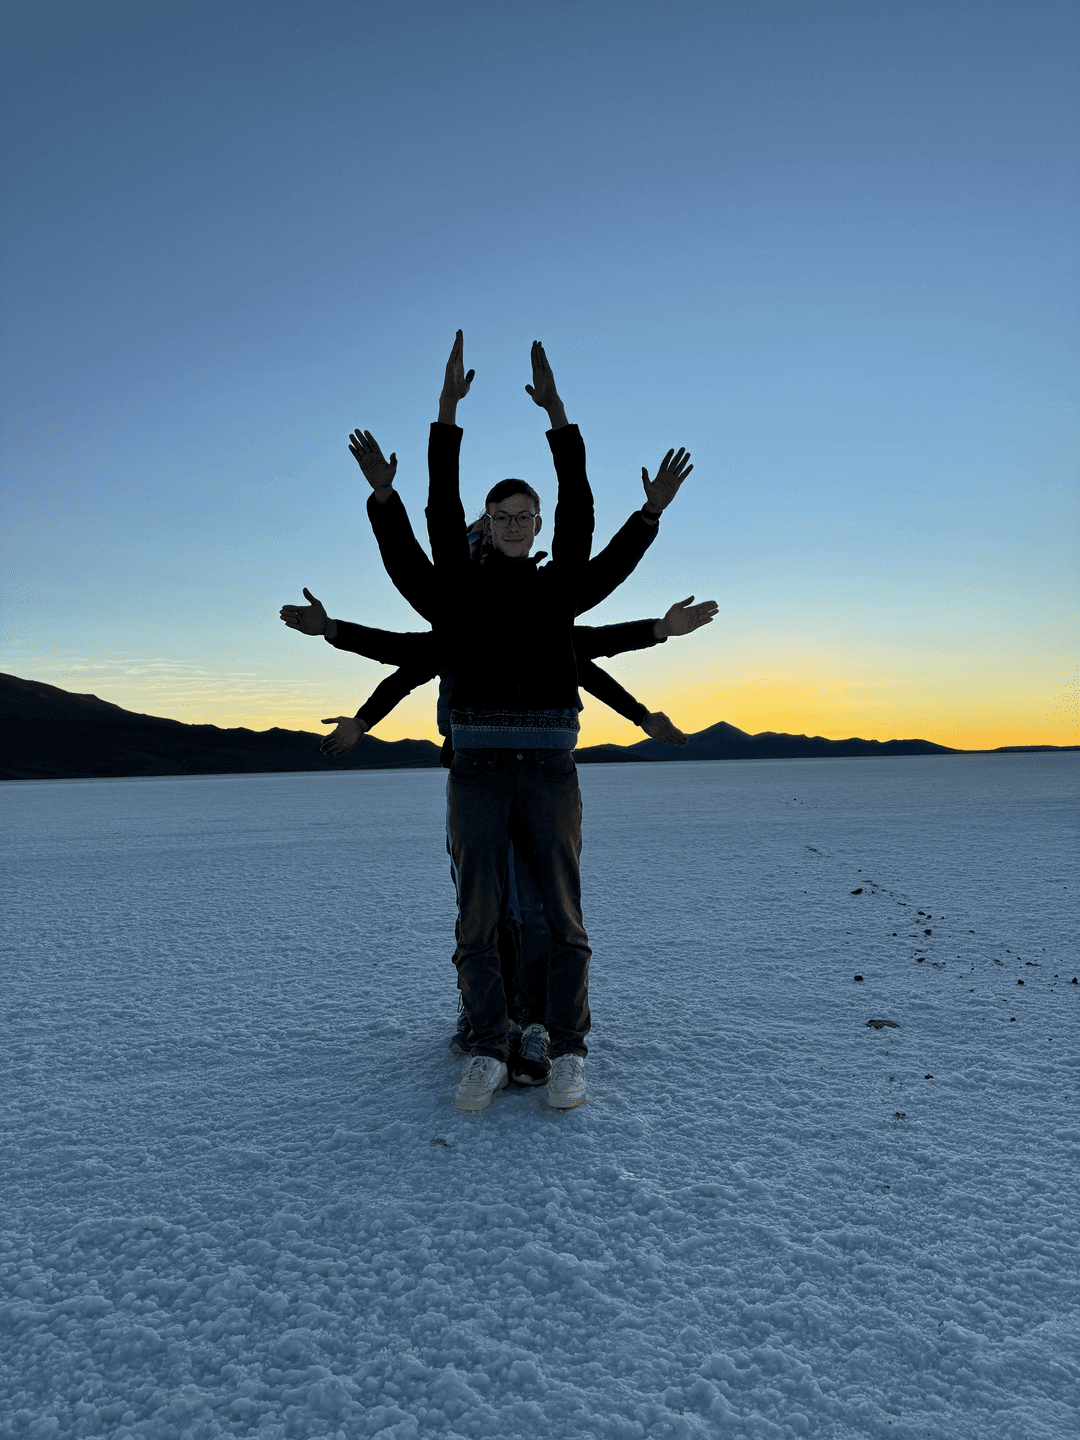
223,1084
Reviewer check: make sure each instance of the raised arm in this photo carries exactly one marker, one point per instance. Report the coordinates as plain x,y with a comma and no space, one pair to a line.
619,558
456,383
406,564
571,538
543,389
410,570
447,529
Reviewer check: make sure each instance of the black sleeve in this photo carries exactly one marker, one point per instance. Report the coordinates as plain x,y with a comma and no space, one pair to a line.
390,692
412,648
447,527
571,536
593,640
599,683
618,559
406,564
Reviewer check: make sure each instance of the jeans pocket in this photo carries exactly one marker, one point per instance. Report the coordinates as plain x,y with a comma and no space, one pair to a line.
559,764
469,765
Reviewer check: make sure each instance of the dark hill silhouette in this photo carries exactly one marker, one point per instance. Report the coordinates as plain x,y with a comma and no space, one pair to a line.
724,742
51,734
48,734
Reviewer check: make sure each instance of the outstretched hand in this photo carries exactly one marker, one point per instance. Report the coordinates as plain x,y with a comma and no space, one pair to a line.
685,617
379,473
349,731
660,727
660,492
542,389
455,382
308,619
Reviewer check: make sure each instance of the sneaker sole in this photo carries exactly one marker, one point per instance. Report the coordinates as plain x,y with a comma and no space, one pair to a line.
567,1104
456,1049
530,1079
465,1107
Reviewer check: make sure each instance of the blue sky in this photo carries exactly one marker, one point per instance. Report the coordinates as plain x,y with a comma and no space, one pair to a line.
831,247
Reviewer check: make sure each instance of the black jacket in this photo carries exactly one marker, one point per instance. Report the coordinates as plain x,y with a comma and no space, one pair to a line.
504,627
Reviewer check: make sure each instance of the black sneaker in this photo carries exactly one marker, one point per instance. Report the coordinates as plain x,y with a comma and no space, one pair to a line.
460,1040
513,1045
530,1064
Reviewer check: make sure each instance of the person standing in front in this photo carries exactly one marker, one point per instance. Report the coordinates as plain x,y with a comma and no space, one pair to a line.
514,717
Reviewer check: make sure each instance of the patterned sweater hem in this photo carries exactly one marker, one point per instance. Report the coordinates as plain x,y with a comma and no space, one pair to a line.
514,729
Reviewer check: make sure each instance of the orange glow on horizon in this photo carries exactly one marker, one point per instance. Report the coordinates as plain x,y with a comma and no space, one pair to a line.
973,712
764,706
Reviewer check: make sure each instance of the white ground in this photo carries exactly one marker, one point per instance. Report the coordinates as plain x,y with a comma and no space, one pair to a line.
227,1207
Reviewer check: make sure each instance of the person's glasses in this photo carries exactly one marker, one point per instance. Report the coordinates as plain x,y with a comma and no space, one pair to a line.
524,520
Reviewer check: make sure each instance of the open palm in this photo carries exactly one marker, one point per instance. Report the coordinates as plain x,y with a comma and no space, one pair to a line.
348,732
378,472
685,617
542,389
673,471
456,383
660,727
308,619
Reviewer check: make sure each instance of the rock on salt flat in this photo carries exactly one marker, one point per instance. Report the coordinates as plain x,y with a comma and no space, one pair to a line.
224,1008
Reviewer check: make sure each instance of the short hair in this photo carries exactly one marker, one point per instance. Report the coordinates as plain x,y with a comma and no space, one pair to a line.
505,488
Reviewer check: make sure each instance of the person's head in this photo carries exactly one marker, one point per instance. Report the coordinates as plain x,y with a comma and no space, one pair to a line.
478,537
512,518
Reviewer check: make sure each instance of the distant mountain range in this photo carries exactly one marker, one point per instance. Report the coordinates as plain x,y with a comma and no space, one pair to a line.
51,734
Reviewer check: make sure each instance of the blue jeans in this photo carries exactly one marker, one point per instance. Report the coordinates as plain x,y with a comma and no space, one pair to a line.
527,801
524,943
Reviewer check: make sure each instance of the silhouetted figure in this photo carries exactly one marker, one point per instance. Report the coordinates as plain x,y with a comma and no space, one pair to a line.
505,634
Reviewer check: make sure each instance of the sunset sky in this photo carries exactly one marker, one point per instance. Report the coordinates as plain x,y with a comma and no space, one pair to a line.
831,247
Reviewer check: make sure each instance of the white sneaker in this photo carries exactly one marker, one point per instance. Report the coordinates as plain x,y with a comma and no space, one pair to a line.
566,1088
482,1076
